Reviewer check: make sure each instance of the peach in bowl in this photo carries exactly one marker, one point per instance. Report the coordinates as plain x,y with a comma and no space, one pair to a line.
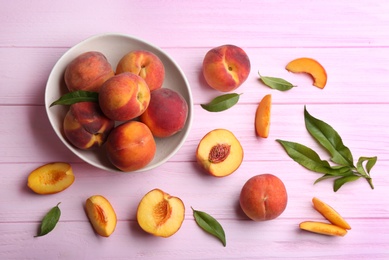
104,52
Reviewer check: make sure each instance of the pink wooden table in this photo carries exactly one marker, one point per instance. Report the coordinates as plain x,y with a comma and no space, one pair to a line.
350,39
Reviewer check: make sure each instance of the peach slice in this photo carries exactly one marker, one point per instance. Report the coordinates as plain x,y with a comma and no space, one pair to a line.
51,178
329,213
262,117
310,66
101,215
323,228
219,153
160,214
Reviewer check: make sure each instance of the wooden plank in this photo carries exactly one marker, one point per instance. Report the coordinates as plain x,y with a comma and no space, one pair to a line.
217,196
363,128
277,239
25,82
279,23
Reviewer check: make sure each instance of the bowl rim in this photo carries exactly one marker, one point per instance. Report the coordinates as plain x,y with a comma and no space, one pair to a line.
76,151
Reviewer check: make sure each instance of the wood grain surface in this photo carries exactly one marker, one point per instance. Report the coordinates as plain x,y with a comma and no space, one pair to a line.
349,38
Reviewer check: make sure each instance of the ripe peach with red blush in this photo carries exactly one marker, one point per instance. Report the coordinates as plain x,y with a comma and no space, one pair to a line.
263,197
226,67
144,64
85,126
124,97
130,146
88,72
166,114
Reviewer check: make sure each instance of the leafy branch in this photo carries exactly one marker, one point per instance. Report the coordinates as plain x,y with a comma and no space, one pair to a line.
344,170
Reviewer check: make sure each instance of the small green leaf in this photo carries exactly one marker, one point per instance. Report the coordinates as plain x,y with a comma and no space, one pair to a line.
276,83
75,97
49,221
343,180
369,165
222,102
324,177
210,225
329,139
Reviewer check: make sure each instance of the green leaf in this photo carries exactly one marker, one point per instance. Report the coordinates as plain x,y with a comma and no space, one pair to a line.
49,221
222,102
307,157
75,97
324,177
369,165
210,225
343,180
329,139
276,83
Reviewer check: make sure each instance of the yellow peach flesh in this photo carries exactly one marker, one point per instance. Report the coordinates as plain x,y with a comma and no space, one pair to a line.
51,178
101,215
160,214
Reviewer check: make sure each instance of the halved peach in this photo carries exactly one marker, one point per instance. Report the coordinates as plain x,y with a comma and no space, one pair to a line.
310,66
51,178
330,214
160,214
323,228
262,117
219,153
101,215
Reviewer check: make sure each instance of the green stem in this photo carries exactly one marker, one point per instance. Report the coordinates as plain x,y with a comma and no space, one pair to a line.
370,181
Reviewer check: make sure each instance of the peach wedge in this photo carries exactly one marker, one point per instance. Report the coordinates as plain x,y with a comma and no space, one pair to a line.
51,178
310,66
323,228
101,215
219,153
160,214
330,214
262,117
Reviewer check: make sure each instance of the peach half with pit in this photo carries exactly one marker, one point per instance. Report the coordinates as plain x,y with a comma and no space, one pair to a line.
263,197
85,125
166,114
101,215
219,153
88,72
51,178
160,214
144,64
130,146
124,97
226,67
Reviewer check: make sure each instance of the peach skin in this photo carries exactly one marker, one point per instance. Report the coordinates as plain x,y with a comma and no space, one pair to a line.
124,97
85,126
166,114
144,64
130,146
226,67
88,72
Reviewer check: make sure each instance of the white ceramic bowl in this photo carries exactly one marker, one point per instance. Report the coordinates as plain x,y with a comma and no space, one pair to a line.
114,47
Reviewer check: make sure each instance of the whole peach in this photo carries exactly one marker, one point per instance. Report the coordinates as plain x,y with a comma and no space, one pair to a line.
131,146
166,113
226,67
145,64
263,197
124,97
85,126
88,72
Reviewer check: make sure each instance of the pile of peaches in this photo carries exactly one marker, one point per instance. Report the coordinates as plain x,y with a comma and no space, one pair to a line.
132,109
